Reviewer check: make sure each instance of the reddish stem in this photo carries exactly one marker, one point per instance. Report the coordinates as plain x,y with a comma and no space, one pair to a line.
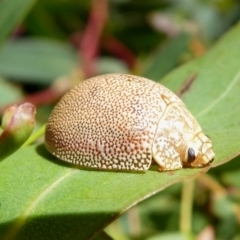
117,48
89,45
40,98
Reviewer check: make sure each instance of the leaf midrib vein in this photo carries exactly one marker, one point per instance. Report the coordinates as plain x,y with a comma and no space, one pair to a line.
222,96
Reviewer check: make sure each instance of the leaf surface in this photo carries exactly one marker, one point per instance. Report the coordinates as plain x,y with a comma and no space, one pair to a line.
8,92
38,191
42,197
11,13
37,60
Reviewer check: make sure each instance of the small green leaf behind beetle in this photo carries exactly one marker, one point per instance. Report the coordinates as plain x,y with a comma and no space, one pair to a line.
17,125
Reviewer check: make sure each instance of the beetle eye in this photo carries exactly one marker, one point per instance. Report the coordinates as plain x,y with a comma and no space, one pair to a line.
191,155
211,160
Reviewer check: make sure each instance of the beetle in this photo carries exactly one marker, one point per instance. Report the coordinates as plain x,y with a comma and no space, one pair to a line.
125,122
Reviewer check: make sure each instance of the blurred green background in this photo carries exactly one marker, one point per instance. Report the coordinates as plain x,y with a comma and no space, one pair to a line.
48,46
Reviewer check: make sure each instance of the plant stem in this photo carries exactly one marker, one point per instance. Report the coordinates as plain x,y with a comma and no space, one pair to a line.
35,135
186,206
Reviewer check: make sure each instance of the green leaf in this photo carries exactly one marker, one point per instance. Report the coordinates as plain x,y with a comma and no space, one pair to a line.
233,177
52,195
41,22
45,198
9,93
110,65
166,58
171,236
37,60
11,13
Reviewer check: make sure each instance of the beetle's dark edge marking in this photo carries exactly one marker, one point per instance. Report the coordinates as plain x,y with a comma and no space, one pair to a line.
186,85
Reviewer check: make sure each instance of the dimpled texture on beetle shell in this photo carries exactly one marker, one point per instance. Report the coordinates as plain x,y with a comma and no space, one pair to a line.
108,122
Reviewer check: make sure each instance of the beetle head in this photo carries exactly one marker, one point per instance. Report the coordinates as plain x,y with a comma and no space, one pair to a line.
199,151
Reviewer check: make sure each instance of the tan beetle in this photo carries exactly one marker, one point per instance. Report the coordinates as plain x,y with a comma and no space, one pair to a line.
124,122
